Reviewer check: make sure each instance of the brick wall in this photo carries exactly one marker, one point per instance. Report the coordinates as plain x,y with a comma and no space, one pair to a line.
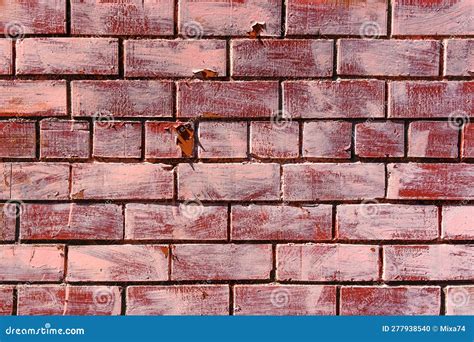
237,157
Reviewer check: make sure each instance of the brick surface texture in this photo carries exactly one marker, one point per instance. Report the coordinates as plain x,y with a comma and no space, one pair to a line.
250,157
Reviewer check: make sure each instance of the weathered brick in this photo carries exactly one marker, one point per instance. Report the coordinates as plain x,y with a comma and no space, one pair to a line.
117,263
327,262
433,139
64,139
17,139
8,213
467,147
221,262
270,222
187,221
282,58
459,300
458,223
276,139
174,58
284,300
6,57
178,300
5,186
327,139
459,57
117,139
380,139
94,56
6,300
160,140
222,140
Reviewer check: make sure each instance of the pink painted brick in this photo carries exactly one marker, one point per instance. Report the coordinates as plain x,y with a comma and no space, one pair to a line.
71,221
174,58
223,18
334,99
32,98
221,262
5,186
6,58
458,223
380,139
8,213
327,139
459,57
435,99
284,300
244,182
117,263
270,222
333,181
282,58
160,140
121,181
187,221
336,17
69,300
371,221
459,300
467,147
64,139
223,140
197,300
439,17
238,99
275,139
117,139
31,263
33,17
6,300
133,17
428,262
433,139
392,301
17,139
122,98
430,181
388,57
94,56
327,262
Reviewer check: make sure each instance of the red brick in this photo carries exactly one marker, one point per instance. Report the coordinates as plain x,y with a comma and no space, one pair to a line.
6,300
399,300
244,182
333,181
421,99
31,263
5,186
221,262
467,148
228,18
270,222
282,58
6,59
69,300
187,221
327,139
34,17
160,140
457,223
459,300
428,262
122,98
388,57
118,263
32,98
336,17
64,139
459,57
339,99
223,140
121,181
71,221
17,139
433,139
70,56
117,139
174,58
8,213
178,300
430,181
237,99
327,262
439,17
275,139
284,300
380,139
133,17
371,221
